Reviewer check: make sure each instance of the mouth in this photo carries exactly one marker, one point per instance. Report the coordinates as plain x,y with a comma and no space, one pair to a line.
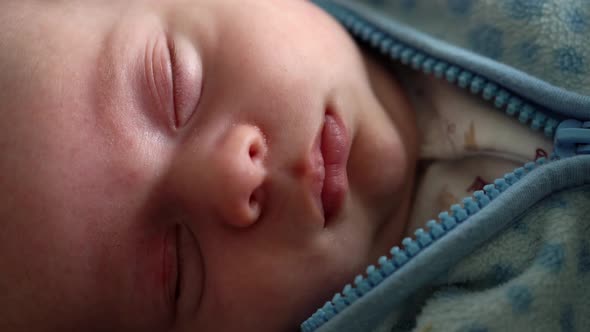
332,151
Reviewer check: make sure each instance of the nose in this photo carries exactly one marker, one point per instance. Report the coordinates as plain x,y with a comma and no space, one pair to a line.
238,172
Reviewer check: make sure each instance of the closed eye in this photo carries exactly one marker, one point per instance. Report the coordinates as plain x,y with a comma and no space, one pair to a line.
187,79
189,287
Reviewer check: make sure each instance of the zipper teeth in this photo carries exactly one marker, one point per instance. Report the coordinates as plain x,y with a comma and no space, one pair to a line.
398,257
490,91
459,213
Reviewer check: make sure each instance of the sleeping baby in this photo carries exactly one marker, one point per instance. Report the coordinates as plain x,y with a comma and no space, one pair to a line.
213,165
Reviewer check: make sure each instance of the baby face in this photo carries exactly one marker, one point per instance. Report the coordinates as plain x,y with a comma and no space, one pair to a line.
190,165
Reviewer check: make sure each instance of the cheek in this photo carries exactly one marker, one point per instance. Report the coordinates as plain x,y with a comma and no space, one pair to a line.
377,143
256,277
99,250
123,268
48,266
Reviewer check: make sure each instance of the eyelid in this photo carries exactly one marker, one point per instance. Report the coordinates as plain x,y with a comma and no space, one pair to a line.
187,78
158,81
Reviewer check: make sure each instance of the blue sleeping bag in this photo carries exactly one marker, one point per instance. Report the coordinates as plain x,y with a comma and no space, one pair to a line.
516,255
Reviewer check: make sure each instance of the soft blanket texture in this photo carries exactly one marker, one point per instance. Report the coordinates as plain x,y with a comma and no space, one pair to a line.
534,276
545,38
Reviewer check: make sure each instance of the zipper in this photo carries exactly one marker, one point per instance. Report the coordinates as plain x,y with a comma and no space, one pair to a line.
372,36
398,257
571,137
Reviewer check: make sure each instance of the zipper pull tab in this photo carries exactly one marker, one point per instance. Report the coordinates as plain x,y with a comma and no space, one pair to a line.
572,137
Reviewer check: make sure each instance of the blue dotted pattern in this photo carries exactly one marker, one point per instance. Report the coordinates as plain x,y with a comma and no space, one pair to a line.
520,298
552,257
487,40
525,9
569,60
576,20
544,38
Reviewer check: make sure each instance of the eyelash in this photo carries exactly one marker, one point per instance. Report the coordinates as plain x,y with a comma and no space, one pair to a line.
174,70
178,283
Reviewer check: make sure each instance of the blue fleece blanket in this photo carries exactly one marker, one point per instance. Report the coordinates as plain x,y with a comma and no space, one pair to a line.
534,276
545,38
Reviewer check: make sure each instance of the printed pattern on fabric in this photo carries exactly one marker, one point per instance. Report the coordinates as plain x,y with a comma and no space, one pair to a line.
544,38
460,149
534,276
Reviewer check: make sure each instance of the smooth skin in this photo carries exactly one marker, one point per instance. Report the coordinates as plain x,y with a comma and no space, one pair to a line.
127,123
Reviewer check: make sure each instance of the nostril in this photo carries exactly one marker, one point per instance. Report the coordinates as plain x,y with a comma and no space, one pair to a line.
256,146
254,152
255,203
257,151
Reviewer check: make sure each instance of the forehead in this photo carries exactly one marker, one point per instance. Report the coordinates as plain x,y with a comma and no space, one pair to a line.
49,61
38,41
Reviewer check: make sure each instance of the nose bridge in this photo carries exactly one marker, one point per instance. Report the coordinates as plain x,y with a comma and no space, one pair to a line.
238,175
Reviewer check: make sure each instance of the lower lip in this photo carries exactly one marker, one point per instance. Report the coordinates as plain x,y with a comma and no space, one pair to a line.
335,148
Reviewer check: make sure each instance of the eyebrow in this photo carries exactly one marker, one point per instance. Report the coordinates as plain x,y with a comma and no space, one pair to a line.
118,92
105,89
